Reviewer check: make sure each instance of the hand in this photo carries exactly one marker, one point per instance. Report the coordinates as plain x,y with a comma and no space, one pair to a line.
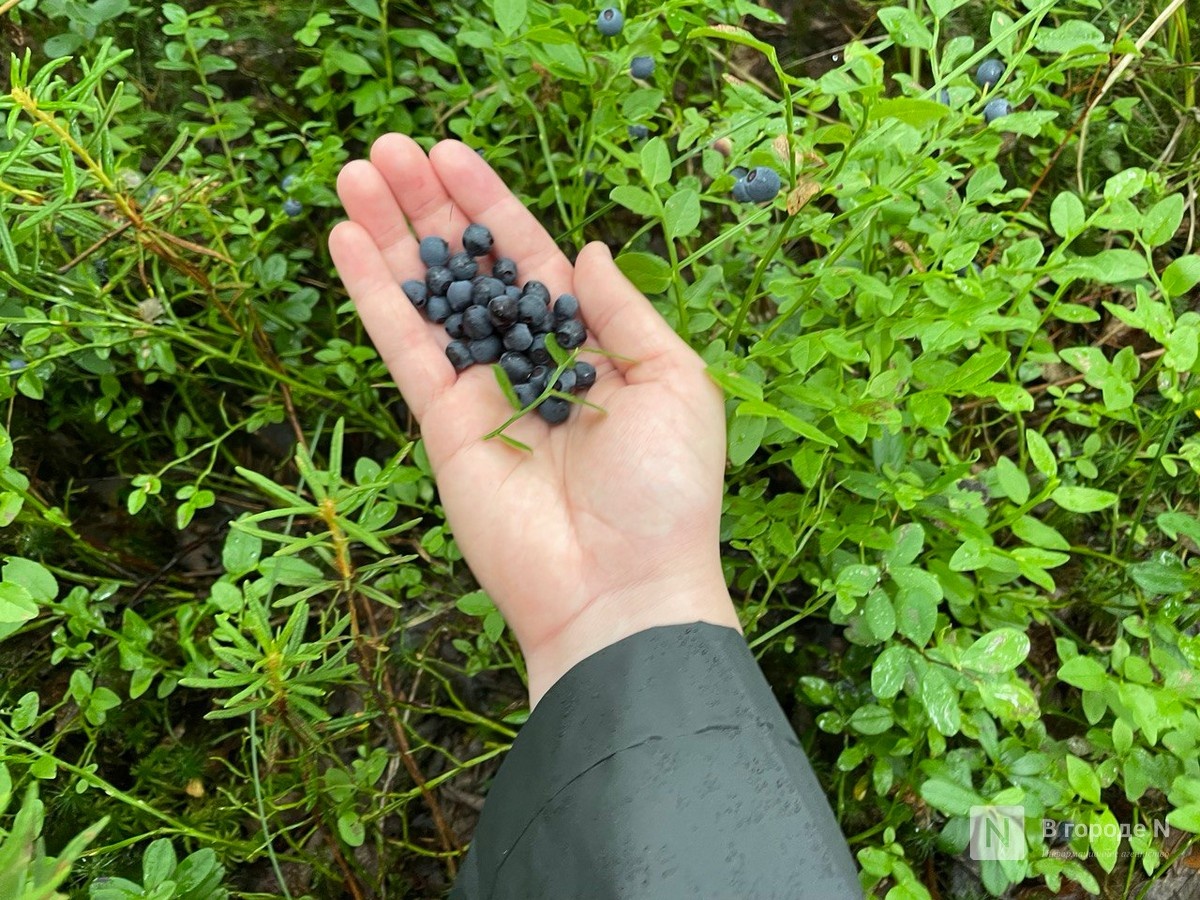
610,525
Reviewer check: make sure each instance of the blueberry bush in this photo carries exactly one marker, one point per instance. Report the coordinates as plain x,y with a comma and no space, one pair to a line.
940,256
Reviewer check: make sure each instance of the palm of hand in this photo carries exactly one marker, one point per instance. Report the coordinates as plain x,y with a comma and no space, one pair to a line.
612,513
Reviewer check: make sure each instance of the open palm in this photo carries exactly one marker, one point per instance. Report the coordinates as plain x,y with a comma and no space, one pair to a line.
610,525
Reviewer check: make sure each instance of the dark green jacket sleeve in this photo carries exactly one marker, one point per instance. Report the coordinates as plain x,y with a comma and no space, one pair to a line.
660,767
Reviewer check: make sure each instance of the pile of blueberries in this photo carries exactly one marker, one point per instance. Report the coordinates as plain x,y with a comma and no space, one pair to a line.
493,320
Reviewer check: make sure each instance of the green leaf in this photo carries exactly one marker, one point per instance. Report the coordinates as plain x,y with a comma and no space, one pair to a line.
158,863
351,828
916,603
681,214
1181,275
941,702
889,671
1067,215
1108,266
16,605
1082,779
368,8
905,27
476,603
649,274
1165,574
1084,673
1082,499
998,651
1186,818
656,162
911,110
1107,833
950,797
871,719
1012,480
1040,454
32,576
1162,220
510,14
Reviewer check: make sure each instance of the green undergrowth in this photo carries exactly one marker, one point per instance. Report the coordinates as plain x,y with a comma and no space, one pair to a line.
961,520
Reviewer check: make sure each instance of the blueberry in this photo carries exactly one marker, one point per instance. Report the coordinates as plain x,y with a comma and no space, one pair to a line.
288,182
463,266
526,394
554,410
416,291
519,337
740,193
585,375
538,352
517,366
566,381
459,295
537,289
292,207
996,108
642,67
566,307
438,280
503,310
16,364
530,310
762,183
944,97
434,251
570,334
485,289
989,72
506,270
486,350
638,132
437,309
477,240
459,354
454,325
539,377
513,291
610,22
477,324
739,172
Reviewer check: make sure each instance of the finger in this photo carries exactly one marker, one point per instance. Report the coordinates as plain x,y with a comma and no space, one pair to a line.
417,189
406,343
624,321
483,197
369,202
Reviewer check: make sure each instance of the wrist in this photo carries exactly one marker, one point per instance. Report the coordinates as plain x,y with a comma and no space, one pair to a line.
617,615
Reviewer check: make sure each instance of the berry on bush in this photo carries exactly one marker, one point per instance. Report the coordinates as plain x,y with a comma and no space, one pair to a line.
762,184
642,67
288,182
292,207
477,240
434,251
740,194
989,72
996,108
638,132
610,22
